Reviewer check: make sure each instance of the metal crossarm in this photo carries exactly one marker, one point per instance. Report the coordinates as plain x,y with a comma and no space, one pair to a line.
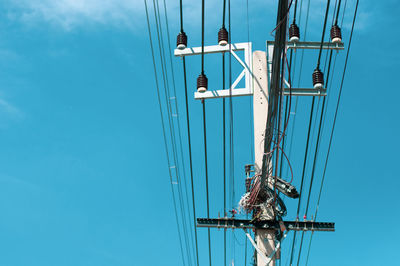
301,45
312,45
245,62
268,224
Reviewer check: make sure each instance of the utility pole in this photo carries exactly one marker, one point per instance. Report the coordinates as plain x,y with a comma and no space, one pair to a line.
262,73
257,73
265,239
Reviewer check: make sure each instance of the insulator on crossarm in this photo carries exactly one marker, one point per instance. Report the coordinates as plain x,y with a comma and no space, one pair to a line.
294,33
318,79
336,34
181,40
202,83
223,36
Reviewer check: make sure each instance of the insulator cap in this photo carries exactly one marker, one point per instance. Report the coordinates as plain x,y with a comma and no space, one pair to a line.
318,79
336,34
181,40
202,83
294,33
223,36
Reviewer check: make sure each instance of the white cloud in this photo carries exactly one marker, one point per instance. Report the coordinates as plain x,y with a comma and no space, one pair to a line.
10,109
71,13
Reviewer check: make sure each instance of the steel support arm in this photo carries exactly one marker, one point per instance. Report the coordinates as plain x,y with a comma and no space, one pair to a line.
269,224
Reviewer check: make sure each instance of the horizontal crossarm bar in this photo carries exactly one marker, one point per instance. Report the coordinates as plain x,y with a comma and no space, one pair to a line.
312,45
212,49
304,92
273,225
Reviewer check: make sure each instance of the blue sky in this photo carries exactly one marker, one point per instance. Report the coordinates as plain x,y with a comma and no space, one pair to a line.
84,178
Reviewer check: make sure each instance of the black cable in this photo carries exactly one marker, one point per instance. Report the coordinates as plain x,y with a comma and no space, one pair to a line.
295,12
181,14
336,111
224,129
231,168
223,14
308,135
337,14
315,158
273,103
206,170
224,147
163,130
335,117
190,160
189,145
301,68
170,120
323,32
202,36
178,118
302,176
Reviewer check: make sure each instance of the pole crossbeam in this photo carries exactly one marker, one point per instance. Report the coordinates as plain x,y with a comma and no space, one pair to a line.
231,223
246,73
312,45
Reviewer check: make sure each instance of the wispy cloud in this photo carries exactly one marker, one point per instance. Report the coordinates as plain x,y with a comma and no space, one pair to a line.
9,109
71,13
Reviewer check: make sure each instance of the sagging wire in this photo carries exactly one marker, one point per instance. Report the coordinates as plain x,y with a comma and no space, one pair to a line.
178,116
182,39
336,112
163,130
170,120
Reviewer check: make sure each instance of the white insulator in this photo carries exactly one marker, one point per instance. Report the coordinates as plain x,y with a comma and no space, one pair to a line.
181,46
318,86
223,43
337,40
201,89
294,39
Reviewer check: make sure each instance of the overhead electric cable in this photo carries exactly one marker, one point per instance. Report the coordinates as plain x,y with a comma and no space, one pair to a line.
190,160
315,158
224,129
164,134
183,169
206,172
335,117
309,127
302,177
336,111
204,127
170,120
323,32
189,143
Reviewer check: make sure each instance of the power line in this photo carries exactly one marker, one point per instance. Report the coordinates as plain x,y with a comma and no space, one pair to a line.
178,116
334,120
190,159
170,120
206,171
302,176
189,143
337,108
224,128
163,130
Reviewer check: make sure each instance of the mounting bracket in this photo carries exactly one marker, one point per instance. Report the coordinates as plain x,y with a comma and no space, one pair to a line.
246,73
